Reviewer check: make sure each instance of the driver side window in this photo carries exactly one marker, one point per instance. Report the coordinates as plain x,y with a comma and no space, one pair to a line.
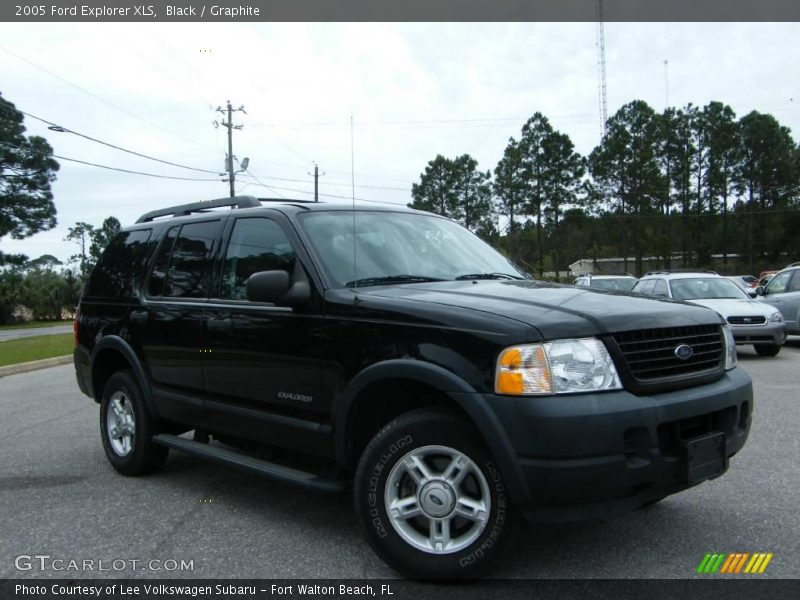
257,244
779,283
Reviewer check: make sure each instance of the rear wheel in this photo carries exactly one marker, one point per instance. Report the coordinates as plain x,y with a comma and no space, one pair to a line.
127,428
767,349
430,499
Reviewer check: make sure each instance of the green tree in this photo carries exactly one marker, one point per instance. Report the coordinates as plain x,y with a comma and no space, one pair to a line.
625,166
535,132
82,234
458,190
27,169
101,237
766,180
724,153
509,185
565,171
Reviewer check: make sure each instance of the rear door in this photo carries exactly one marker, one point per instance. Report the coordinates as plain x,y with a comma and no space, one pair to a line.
170,322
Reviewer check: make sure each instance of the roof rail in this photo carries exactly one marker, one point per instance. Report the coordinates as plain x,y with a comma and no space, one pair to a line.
680,271
288,200
195,207
790,265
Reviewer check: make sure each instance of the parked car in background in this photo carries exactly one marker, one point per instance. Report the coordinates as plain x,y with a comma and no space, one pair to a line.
742,283
783,292
748,319
617,283
750,280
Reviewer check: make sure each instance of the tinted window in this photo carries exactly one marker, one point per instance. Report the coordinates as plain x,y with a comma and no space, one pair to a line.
159,272
255,245
188,273
794,286
779,283
645,287
660,288
122,263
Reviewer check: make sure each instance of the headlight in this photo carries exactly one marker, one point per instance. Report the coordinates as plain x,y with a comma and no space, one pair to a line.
776,317
558,367
730,348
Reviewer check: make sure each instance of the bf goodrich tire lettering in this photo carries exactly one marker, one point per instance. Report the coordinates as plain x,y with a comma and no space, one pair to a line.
430,499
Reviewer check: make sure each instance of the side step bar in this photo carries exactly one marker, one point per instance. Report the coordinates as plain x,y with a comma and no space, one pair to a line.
237,460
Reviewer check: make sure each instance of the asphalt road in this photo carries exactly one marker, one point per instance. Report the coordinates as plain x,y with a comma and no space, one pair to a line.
59,497
15,334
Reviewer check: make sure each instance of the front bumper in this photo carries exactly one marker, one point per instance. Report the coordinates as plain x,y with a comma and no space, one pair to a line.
770,333
593,455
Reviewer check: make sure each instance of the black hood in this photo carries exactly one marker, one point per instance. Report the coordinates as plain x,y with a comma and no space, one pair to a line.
557,311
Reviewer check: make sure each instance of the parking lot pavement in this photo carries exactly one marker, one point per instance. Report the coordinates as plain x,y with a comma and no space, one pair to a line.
15,334
58,496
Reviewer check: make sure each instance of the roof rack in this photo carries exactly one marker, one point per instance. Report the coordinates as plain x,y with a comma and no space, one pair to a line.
680,271
288,200
195,207
790,265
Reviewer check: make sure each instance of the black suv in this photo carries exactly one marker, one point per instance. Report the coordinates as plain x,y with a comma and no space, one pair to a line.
392,349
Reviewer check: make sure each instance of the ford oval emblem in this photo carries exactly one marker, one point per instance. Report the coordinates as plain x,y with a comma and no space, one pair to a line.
684,352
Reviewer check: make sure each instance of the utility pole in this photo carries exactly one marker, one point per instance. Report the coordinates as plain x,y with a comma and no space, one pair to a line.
316,182
229,166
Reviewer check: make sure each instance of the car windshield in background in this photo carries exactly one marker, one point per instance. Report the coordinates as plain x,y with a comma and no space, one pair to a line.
622,284
393,247
705,289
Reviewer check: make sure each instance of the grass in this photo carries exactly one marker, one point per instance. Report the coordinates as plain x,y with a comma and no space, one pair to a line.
33,324
35,348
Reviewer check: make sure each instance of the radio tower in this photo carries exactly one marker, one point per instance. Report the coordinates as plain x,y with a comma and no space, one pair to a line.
601,66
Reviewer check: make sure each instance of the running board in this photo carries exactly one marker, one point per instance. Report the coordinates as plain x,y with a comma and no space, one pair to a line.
237,460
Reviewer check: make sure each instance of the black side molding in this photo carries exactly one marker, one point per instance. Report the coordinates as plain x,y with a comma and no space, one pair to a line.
237,460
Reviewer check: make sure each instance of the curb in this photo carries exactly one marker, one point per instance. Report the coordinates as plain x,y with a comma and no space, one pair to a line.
35,365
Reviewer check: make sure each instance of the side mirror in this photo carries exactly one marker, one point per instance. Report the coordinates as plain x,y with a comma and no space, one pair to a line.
760,290
268,286
752,293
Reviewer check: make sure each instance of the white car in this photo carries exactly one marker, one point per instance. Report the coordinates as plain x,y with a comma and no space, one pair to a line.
751,322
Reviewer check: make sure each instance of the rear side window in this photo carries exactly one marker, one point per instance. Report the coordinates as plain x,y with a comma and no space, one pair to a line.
794,285
182,266
660,288
645,287
256,244
122,264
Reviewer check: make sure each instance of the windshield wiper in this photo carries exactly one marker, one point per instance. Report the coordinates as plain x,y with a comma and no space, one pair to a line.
389,279
487,276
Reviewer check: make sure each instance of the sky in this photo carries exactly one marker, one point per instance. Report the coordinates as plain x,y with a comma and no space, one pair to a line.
413,91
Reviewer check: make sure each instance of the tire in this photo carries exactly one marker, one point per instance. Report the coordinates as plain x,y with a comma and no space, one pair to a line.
437,439
767,349
127,428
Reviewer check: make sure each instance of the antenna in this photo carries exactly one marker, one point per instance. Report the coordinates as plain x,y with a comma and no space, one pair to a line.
353,188
601,65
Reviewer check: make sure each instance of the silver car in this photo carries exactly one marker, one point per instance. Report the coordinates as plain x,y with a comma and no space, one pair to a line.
751,322
783,292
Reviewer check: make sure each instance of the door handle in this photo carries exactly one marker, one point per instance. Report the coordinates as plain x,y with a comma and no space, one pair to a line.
219,325
140,316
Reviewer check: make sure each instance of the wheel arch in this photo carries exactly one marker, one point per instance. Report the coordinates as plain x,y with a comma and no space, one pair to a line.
111,354
449,386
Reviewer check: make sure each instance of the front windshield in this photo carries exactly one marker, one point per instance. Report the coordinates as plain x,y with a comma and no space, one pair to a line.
393,244
622,284
705,288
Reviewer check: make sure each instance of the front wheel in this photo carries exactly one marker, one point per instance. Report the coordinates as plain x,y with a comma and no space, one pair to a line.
767,349
430,499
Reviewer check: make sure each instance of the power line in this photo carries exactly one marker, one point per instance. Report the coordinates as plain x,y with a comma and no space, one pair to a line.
61,129
91,164
104,101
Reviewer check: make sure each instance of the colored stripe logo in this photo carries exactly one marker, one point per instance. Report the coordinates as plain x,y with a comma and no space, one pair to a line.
734,563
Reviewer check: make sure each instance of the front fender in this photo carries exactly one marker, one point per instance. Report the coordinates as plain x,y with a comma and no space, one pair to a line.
460,392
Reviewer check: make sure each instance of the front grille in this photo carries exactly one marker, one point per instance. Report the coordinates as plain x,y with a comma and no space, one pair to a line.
649,354
747,320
